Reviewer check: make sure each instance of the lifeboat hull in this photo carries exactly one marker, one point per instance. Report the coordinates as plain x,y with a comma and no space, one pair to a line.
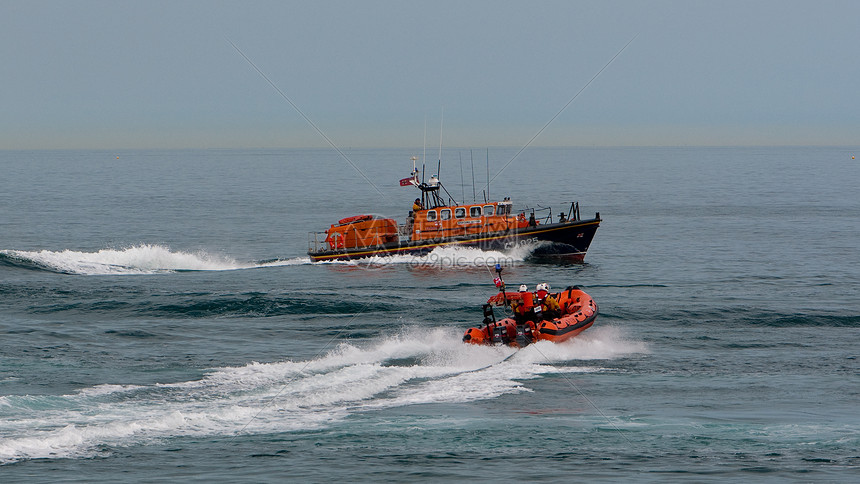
568,241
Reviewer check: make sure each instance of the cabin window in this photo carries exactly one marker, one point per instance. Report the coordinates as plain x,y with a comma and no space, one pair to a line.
445,214
474,211
460,212
488,210
431,215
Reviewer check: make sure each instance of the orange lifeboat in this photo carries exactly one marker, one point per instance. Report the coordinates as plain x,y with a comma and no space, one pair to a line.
578,312
437,220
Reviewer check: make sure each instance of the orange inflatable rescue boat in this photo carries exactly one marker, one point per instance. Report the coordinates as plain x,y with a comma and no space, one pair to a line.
531,321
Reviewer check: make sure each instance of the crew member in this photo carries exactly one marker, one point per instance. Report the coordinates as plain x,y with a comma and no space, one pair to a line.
549,306
417,205
524,308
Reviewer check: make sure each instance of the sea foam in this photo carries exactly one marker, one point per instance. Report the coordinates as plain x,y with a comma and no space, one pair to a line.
415,366
139,259
155,259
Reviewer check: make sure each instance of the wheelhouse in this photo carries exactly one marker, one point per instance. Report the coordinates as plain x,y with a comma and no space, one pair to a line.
463,220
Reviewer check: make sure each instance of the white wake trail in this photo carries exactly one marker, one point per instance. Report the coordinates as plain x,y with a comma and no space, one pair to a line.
157,259
416,366
139,259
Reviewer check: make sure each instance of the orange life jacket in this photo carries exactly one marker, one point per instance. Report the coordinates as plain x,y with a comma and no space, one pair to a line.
528,303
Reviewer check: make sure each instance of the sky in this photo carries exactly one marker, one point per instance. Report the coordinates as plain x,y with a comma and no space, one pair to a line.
373,73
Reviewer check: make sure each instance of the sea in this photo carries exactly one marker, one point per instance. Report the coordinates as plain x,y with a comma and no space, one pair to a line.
160,320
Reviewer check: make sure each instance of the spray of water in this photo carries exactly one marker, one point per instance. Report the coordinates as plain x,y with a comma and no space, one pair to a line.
155,259
415,366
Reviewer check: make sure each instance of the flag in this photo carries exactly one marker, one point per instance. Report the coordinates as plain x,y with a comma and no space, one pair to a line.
407,181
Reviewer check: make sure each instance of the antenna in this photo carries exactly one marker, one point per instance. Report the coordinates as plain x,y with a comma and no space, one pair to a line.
474,196
424,155
462,185
488,173
441,120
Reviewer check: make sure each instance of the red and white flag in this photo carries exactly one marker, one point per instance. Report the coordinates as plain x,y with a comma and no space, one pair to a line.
407,181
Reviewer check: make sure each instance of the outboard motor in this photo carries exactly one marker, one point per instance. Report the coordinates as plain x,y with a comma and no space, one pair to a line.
498,334
524,335
495,330
489,315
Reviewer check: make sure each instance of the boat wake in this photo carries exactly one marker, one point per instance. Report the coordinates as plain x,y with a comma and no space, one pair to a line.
449,256
157,259
417,366
140,259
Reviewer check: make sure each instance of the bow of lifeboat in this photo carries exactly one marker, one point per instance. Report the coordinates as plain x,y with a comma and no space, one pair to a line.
578,314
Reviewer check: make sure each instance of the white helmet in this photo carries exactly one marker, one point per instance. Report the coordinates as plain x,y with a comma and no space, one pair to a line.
542,287
523,288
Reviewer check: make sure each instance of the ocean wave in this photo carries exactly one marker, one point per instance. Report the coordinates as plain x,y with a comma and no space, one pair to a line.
743,316
258,305
415,366
788,320
207,306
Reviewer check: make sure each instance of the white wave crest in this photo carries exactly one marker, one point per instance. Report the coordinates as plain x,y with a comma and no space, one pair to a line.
139,259
449,256
416,366
155,259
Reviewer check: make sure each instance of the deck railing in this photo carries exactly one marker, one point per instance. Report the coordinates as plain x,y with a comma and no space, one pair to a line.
316,241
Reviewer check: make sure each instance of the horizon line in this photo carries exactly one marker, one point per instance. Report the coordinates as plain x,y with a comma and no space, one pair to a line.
497,147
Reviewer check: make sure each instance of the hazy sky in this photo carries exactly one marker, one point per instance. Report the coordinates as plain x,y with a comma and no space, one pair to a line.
162,74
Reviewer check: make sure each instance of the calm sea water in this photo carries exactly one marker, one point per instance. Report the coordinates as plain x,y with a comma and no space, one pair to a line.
160,320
